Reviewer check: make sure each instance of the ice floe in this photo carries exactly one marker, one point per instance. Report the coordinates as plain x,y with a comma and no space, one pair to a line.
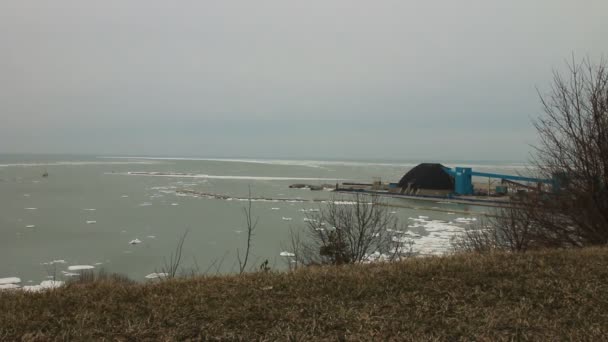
30,226
10,280
80,163
465,219
151,236
60,261
91,222
157,275
308,210
376,257
435,236
89,209
145,204
287,254
44,285
12,283
195,175
80,267
135,241
124,196
31,208
286,218
174,204
275,208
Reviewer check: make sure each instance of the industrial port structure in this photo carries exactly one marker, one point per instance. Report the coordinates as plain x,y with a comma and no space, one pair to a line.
436,180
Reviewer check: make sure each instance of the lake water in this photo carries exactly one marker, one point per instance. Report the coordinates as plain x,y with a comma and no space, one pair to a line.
89,209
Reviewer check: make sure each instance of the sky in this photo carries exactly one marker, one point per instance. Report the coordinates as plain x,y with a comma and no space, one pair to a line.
347,79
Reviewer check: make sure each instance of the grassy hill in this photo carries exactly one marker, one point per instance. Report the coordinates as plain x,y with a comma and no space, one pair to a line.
547,295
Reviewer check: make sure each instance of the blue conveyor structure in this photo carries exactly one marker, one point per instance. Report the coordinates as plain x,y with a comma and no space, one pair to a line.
463,179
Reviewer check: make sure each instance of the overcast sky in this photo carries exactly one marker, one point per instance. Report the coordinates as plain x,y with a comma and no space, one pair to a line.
280,78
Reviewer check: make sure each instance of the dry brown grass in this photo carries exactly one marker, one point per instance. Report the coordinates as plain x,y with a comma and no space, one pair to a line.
547,295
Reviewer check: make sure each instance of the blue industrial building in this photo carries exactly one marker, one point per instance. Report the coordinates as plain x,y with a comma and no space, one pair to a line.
463,179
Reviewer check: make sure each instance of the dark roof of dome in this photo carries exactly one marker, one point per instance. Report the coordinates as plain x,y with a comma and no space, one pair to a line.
428,176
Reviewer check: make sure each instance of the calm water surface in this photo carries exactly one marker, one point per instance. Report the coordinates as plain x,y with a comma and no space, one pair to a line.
89,208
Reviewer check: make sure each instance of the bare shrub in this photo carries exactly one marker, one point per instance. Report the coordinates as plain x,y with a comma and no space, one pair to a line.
251,224
573,148
513,229
349,231
172,265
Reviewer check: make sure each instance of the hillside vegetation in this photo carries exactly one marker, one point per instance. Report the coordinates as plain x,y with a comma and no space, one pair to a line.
546,295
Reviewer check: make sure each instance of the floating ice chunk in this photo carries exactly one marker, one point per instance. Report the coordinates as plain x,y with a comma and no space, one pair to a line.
89,209
31,208
344,202
151,236
287,254
400,239
145,204
157,275
80,267
286,218
306,219
98,263
10,280
375,257
135,241
44,285
51,284
423,217
9,286
91,222
392,212
70,274
60,261
174,204
238,231
30,226
124,196
465,219
275,208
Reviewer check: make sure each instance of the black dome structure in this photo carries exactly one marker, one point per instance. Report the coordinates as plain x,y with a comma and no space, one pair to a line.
430,176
